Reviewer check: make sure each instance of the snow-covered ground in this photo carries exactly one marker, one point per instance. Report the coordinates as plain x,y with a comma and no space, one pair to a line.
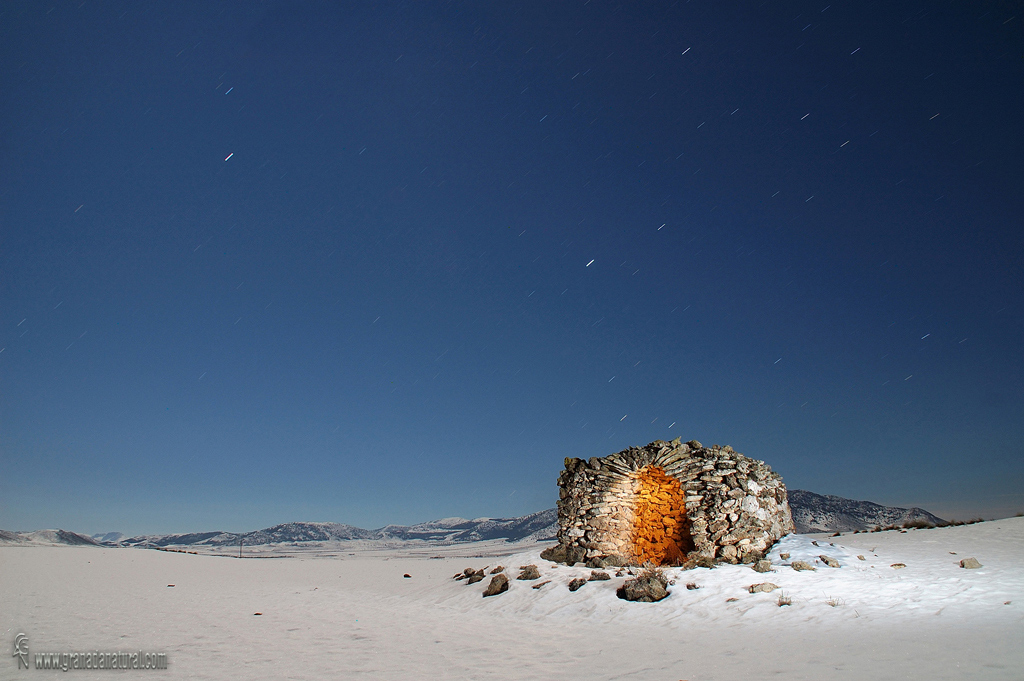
345,611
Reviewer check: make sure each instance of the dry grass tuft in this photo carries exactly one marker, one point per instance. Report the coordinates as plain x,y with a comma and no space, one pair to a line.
919,524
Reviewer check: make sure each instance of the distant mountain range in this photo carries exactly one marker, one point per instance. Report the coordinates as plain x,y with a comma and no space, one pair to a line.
811,513
533,527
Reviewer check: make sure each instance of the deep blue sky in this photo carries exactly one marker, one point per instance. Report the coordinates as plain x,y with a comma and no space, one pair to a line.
376,263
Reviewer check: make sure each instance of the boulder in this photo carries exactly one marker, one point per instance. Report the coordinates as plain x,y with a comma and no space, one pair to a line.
562,554
498,585
762,588
528,572
475,577
800,565
576,583
601,562
763,565
598,576
648,587
829,560
556,554
704,562
500,568
970,563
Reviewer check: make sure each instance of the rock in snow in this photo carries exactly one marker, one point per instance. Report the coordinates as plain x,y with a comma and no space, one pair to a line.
829,560
575,584
499,584
762,588
528,572
649,587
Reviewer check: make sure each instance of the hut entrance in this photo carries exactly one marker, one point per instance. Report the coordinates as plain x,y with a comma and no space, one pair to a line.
661,533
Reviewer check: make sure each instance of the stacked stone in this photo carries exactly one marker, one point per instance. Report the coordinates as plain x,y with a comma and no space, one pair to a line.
660,526
733,508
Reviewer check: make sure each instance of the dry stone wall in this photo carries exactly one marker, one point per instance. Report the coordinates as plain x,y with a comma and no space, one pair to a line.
670,503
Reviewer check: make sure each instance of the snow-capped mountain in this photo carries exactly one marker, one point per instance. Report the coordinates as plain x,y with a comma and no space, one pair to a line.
286,533
303,532
536,526
826,513
47,537
811,513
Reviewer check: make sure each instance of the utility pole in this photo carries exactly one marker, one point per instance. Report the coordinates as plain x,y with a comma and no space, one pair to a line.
240,540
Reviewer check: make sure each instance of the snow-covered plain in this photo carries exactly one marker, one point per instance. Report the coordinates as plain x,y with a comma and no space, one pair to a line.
345,611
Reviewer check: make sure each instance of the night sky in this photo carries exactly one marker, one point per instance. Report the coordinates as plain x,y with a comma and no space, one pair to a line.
387,262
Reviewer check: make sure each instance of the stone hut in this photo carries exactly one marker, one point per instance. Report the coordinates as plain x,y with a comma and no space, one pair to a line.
669,503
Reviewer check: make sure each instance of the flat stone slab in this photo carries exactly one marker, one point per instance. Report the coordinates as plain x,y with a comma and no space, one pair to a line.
762,588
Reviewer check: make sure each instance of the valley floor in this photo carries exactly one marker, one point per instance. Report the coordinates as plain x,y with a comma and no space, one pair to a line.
346,611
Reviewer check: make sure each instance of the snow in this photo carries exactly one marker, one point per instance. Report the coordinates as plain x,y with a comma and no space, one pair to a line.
344,610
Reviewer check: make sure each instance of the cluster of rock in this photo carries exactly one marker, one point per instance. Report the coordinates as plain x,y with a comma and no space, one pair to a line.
499,580
669,503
